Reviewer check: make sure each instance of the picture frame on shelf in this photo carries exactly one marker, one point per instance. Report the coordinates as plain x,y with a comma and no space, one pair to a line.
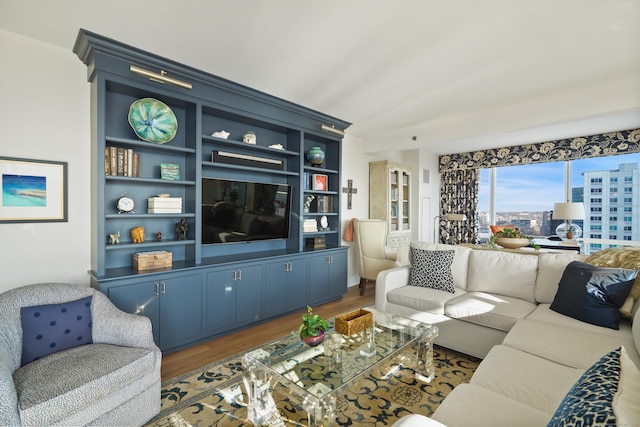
170,171
33,190
319,182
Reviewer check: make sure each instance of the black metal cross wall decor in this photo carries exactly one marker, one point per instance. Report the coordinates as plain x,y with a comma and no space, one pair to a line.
350,191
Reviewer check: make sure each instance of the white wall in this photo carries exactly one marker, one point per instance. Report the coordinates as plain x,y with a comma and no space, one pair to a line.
44,106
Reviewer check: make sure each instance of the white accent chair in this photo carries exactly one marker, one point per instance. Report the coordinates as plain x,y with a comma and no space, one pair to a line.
373,256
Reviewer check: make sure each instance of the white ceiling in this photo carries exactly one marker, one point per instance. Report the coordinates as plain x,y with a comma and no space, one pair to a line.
457,74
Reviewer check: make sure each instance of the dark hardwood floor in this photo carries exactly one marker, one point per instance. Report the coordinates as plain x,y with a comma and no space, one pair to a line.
182,361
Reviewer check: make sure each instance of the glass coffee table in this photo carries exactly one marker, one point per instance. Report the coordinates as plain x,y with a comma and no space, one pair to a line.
316,374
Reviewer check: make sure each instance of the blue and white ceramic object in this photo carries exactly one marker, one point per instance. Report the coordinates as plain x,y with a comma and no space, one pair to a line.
153,120
315,156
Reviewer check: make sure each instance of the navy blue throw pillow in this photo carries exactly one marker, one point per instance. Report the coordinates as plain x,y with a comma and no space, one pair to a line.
47,329
593,294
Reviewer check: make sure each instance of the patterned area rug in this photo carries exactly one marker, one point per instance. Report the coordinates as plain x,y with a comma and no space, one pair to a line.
214,395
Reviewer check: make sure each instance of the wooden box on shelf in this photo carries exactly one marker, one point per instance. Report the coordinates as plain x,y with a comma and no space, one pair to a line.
316,243
152,260
354,321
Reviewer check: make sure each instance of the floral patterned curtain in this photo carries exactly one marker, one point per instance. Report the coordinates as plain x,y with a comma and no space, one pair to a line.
460,172
600,145
459,195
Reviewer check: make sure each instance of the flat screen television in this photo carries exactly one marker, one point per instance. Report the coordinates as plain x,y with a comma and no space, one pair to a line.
244,211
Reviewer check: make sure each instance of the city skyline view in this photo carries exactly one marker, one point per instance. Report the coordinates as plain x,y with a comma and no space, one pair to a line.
536,187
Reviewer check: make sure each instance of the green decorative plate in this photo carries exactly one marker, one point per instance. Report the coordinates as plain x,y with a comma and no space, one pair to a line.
153,120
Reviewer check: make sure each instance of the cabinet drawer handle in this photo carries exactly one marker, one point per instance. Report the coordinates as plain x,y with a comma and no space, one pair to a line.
164,288
239,274
157,288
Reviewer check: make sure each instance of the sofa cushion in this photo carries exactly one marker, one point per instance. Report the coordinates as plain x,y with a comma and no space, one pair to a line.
91,373
471,405
593,294
579,348
494,311
590,400
626,402
460,265
550,269
50,328
543,313
524,377
432,269
422,299
503,273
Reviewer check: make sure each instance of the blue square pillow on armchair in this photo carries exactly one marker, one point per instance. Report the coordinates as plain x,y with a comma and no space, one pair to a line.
50,328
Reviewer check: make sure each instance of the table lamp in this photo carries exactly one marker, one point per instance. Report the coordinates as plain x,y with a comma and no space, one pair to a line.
448,217
568,211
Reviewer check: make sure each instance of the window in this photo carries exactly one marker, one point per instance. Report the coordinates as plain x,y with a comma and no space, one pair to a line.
626,237
628,219
528,193
613,228
627,228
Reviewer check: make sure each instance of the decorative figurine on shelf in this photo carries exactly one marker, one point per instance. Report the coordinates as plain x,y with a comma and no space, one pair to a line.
307,203
249,138
137,234
114,238
315,156
181,230
159,236
324,222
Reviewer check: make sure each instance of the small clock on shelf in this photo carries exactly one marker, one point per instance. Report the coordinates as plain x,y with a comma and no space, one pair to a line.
125,204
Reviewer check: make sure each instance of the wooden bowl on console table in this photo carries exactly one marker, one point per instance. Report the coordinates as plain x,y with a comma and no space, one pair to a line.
512,242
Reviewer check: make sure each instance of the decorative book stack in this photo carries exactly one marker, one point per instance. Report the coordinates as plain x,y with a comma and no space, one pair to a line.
158,205
310,225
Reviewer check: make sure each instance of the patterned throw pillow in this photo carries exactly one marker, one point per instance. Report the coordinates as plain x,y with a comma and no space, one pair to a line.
432,269
589,401
47,329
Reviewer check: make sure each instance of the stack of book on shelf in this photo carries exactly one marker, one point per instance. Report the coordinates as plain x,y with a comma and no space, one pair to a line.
158,205
120,161
309,225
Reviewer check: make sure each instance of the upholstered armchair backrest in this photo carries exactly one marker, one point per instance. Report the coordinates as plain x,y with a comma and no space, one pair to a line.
43,293
370,238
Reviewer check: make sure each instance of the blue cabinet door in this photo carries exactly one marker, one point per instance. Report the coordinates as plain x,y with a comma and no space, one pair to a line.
140,298
327,276
249,295
180,310
285,286
221,299
234,297
337,274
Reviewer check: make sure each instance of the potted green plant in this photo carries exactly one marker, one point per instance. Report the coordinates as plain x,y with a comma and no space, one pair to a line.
312,328
511,238
570,231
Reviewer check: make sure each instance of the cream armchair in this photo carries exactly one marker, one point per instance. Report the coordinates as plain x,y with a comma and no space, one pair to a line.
373,257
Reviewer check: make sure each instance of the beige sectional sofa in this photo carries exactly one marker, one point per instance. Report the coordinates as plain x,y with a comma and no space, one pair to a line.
500,311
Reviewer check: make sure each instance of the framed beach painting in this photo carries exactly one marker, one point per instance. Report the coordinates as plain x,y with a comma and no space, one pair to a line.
32,190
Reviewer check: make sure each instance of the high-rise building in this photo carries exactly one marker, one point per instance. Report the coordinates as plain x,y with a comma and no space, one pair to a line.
612,203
